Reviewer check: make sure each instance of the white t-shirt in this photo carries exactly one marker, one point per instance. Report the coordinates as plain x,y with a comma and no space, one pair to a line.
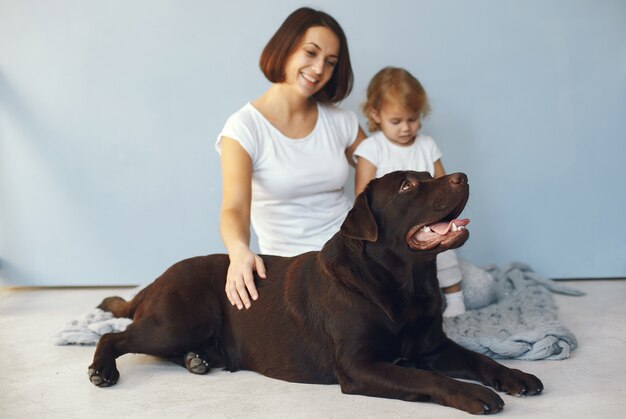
389,157
298,199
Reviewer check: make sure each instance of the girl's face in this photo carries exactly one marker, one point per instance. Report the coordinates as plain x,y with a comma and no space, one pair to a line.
312,63
399,124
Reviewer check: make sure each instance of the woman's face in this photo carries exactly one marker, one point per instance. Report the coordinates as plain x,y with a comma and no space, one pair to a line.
312,63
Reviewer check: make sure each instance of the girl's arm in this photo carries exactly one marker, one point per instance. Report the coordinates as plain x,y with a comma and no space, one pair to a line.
365,171
235,224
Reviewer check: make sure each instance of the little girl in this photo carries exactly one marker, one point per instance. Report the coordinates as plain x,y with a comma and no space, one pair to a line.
395,106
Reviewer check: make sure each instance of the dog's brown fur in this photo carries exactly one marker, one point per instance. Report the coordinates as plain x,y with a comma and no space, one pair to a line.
342,315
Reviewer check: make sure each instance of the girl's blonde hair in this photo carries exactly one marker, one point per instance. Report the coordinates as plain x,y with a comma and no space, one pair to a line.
394,84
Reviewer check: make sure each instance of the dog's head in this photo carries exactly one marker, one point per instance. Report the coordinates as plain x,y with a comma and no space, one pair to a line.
411,211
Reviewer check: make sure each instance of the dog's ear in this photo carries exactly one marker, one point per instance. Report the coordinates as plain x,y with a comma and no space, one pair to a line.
360,223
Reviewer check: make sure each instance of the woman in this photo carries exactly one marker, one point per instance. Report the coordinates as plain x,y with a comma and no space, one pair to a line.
285,155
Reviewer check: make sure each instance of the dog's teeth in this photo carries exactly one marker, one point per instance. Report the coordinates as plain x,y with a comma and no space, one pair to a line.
426,229
454,227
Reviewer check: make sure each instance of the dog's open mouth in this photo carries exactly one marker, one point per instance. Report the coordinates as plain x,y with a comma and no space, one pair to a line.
429,236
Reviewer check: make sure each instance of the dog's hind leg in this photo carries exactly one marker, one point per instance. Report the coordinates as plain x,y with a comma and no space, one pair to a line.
103,370
147,335
196,361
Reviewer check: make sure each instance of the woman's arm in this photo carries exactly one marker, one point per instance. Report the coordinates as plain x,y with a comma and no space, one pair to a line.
365,171
360,136
439,170
235,224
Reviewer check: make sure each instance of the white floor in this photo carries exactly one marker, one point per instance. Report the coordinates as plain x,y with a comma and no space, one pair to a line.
40,380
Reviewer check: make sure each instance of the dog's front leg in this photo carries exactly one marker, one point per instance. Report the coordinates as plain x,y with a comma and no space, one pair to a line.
453,360
387,380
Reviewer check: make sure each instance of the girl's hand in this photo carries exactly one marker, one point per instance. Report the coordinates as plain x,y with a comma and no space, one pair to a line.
240,278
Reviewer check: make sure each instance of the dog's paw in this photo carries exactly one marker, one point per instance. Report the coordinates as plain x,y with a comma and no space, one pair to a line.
474,399
196,363
518,383
103,375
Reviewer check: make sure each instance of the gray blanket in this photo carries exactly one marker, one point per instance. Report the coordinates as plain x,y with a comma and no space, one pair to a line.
511,314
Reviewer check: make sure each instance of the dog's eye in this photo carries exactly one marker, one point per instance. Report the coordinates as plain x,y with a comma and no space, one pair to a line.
406,185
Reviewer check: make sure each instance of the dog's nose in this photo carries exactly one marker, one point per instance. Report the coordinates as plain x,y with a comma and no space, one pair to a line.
458,178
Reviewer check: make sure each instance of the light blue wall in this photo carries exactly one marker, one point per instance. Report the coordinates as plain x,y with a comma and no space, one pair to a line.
109,111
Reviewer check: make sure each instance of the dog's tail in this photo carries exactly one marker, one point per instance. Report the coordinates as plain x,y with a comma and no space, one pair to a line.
116,305
119,307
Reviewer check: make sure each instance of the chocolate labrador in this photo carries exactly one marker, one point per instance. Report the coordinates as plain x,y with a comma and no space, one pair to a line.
345,314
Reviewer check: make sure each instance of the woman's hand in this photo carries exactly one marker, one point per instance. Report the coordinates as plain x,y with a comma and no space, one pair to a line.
235,224
240,278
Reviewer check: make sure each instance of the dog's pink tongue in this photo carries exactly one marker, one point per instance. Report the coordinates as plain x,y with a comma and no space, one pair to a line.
443,228
436,230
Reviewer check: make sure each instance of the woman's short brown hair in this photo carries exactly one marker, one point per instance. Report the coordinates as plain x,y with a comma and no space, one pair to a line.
396,84
287,38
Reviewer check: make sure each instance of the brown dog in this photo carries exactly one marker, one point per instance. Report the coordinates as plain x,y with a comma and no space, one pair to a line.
342,315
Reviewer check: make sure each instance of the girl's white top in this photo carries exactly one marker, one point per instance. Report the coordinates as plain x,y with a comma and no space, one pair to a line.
389,157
